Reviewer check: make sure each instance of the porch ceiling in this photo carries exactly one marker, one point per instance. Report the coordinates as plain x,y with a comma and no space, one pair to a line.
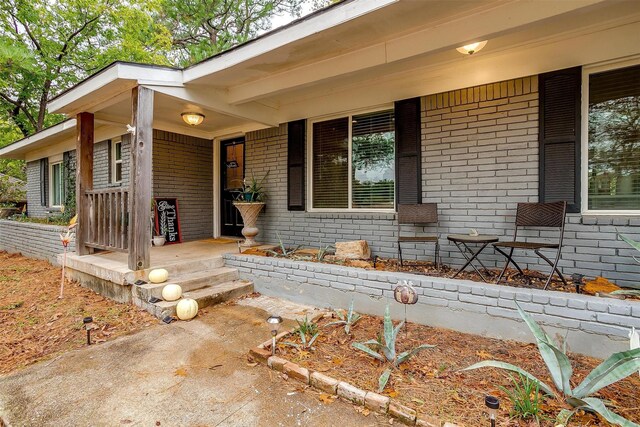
167,112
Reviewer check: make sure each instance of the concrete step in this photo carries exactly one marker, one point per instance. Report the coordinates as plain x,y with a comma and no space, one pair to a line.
179,268
209,295
187,281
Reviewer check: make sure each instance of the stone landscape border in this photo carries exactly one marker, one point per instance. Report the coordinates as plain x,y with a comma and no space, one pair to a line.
593,326
373,401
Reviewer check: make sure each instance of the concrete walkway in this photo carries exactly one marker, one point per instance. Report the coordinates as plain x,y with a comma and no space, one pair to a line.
184,374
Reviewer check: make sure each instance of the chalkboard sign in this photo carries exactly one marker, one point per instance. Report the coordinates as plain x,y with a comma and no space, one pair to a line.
168,220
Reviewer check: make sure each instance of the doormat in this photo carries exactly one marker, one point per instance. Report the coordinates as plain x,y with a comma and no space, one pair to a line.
221,240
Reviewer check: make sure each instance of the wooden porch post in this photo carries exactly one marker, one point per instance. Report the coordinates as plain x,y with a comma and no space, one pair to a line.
140,193
84,178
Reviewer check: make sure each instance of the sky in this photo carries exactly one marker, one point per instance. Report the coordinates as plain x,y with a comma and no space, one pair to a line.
279,21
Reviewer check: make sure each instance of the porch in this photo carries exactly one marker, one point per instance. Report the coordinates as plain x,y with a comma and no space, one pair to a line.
198,267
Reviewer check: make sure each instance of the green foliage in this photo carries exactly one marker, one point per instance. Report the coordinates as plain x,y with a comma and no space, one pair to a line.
253,190
284,252
10,190
323,251
347,318
524,397
616,367
388,348
308,332
58,219
632,243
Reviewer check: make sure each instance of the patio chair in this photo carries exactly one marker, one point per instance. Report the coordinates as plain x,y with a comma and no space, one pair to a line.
550,215
422,214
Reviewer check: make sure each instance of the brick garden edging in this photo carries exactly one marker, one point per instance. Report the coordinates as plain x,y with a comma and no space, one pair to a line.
593,326
329,385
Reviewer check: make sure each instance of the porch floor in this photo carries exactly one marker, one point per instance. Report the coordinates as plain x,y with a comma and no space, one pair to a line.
113,266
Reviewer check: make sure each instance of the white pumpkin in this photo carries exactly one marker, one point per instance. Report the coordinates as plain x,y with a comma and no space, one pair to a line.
159,275
187,309
171,292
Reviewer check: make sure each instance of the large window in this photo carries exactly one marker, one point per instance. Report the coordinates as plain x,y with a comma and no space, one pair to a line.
116,161
55,184
353,162
614,140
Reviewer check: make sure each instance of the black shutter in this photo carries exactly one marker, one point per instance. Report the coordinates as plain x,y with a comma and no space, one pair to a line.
408,152
559,137
295,165
109,162
44,180
65,175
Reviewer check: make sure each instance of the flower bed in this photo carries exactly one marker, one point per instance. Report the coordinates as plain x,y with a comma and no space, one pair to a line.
431,383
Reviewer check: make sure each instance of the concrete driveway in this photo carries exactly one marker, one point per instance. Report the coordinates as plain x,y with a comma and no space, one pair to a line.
184,374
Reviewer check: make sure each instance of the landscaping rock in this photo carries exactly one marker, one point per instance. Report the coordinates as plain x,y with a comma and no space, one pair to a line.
324,383
351,393
276,363
358,249
427,421
260,354
376,402
297,372
402,413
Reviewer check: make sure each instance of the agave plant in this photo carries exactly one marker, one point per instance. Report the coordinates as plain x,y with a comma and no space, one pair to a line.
348,319
631,243
284,252
388,349
616,367
305,329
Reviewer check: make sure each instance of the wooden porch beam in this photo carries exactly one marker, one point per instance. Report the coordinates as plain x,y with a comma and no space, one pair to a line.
84,178
141,193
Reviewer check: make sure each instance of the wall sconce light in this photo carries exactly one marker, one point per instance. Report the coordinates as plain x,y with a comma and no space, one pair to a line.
471,48
192,119
274,323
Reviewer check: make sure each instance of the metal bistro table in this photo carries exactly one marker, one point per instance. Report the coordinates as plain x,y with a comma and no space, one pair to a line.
463,240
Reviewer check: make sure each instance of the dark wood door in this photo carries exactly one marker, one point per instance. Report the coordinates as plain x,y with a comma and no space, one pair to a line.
232,168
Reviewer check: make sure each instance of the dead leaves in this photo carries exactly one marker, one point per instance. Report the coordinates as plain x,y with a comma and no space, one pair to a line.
180,372
327,399
600,285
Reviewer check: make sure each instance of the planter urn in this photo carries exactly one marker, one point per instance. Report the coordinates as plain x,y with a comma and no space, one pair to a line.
249,212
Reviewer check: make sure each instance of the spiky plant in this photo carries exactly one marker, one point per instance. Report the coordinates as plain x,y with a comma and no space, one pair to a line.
616,367
284,252
347,318
308,332
524,397
388,349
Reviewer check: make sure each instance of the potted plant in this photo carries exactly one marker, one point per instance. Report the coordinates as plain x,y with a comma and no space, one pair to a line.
157,239
250,202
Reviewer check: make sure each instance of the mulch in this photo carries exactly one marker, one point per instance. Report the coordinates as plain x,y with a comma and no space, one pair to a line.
431,381
35,325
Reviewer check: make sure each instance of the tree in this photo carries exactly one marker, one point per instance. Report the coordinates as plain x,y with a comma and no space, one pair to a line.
202,28
47,46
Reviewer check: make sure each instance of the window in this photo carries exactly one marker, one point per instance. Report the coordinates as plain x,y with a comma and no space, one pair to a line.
116,161
55,184
613,129
353,162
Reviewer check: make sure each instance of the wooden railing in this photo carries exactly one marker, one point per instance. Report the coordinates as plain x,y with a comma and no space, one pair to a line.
108,219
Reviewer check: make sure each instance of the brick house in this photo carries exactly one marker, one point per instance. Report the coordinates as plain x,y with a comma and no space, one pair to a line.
351,117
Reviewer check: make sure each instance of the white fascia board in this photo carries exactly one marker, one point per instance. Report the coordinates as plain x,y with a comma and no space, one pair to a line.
480,25
9,152
101,133
118,73
323,21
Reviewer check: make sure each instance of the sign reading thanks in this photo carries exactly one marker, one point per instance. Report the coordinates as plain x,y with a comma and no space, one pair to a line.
168,220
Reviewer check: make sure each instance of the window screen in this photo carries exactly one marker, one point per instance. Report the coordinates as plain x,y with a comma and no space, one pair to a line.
331,164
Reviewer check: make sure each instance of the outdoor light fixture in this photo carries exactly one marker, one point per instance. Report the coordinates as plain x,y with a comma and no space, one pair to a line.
493,404
274,323
470,49
88,325
192,119
577,280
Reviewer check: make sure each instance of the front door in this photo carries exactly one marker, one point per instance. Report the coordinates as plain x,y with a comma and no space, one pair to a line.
232,167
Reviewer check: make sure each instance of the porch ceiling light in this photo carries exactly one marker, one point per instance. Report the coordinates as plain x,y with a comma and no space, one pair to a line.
192,119
470,49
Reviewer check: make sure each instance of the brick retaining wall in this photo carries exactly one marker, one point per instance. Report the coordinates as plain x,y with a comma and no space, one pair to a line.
592,325
32,240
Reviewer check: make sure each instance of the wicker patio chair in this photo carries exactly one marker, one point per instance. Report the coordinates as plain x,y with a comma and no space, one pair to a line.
422,214
550,215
